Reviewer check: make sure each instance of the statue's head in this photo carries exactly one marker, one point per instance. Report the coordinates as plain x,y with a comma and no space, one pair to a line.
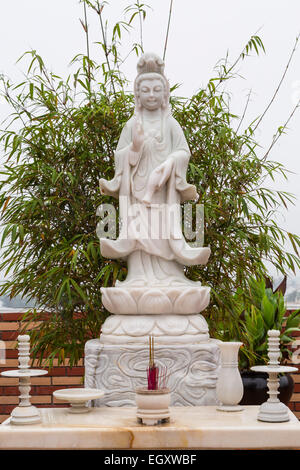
151,88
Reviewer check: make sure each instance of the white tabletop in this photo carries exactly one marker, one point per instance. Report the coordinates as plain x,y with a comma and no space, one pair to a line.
24,373
200,427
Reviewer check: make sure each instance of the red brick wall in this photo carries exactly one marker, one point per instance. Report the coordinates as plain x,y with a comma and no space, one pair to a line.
62,376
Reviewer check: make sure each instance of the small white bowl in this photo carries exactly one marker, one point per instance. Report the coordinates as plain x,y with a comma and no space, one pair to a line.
78,397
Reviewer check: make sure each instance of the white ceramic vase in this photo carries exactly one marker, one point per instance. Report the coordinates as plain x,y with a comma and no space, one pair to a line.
153,406
229,385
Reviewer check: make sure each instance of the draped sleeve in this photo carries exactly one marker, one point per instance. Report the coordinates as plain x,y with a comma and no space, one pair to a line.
181,155
122,157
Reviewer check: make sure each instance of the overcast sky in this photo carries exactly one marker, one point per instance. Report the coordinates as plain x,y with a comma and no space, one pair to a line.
201,32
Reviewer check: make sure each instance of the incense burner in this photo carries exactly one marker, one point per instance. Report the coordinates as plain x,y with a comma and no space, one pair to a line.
153,406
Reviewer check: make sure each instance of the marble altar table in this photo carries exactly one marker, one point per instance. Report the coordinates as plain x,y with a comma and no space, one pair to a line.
201,427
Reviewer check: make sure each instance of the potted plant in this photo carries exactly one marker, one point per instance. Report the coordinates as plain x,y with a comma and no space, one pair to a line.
258,309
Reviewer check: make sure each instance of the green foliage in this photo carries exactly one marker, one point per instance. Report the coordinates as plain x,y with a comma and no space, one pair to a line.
257,310
60,140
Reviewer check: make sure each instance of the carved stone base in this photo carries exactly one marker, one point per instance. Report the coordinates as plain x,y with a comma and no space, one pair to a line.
166,329
119,369
25,415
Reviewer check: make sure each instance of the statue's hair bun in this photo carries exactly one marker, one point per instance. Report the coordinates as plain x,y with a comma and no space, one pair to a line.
150,63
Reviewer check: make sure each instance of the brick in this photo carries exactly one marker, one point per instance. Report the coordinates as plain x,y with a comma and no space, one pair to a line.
11,363
295,397
36,363
75,371
11,344
9,335
76,380
40,381
8,381
296,378
45,399
9,326
6,409
10,391
11,354
57,371
9,400
4,368
43,389
12,316
31,325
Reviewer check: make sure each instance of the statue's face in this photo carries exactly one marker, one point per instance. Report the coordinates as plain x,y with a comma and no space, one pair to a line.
151,94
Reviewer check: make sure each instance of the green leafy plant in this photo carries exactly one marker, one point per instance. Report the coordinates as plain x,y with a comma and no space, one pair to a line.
58,142
258,309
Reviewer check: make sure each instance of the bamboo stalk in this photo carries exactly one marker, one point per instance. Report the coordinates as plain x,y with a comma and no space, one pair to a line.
87,41
168,28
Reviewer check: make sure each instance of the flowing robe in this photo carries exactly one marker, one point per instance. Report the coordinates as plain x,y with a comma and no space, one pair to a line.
151,238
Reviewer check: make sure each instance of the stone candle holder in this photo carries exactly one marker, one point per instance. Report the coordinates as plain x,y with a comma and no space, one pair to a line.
273,410
25,413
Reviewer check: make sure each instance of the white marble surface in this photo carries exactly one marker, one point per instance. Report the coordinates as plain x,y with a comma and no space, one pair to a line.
116,428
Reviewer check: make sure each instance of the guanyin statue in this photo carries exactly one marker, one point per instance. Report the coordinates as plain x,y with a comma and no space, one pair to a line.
151,162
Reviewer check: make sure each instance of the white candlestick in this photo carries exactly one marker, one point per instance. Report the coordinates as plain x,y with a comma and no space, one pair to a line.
273,410
25,413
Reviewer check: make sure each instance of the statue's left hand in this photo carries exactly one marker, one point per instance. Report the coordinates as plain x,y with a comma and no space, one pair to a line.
158,178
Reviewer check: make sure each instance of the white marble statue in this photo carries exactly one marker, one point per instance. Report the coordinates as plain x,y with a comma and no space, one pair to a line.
151,162
156,298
